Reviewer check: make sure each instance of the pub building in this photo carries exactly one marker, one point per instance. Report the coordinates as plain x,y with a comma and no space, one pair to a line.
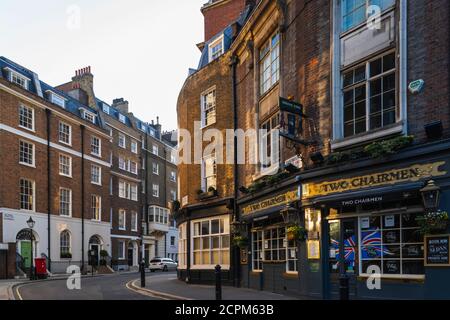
367,210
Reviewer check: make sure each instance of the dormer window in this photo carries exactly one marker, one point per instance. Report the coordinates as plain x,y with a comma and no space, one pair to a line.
122,118
18,79
216,49
142,126
152,132
106,108
89,116
56,99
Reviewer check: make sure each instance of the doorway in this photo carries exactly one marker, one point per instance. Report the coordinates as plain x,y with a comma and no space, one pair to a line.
130,254
343,237
3,264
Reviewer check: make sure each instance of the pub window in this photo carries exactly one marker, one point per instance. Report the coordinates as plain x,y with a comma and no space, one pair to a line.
182,245
393,243
211,242
292,256
369,94
257,250
274,246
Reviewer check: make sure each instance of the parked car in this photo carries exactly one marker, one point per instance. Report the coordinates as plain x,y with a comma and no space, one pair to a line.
163,264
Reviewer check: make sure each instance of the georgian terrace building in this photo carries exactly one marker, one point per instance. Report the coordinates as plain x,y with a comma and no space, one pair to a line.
92,158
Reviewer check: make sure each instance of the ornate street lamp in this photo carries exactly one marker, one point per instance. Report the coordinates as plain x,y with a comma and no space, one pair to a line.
30,224
291,215
431,195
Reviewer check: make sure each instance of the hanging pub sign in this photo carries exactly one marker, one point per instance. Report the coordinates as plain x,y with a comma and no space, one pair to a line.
437,251
291,120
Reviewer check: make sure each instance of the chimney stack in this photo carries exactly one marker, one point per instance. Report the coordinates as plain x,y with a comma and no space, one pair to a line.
121,105
84,80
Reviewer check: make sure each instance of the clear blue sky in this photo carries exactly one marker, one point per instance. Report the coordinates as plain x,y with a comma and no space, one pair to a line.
138,49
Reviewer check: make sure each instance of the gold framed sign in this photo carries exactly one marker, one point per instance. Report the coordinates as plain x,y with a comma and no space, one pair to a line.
313,249
437,250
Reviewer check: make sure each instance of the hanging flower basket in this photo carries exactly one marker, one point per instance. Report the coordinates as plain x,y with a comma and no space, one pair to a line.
240,241
296,233
433,222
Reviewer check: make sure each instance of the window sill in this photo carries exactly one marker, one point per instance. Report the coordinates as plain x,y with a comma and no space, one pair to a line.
97,184
66,175
367,136
65,143
28,165
28,129
210,267
269,91
208,125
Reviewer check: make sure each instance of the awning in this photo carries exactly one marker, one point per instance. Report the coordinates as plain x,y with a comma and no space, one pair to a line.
387,193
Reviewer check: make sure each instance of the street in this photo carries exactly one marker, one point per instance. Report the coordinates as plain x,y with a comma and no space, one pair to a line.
110,287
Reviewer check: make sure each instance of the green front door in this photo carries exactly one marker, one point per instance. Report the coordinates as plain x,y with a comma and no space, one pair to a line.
25,252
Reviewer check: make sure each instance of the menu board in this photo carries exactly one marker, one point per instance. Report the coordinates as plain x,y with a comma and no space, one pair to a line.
437,251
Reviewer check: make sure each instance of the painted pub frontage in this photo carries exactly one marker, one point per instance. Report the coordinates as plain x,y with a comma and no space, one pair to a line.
369,211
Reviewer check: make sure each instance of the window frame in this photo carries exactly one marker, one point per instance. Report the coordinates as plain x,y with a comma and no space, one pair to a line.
134,146
69,203
67,242
19,78
33,194
205,185
265,52
214,44
33,118
122,213
94,147
98,210
206,109
99,181
60,132
134,216
155,190
122,138
33,154
61,165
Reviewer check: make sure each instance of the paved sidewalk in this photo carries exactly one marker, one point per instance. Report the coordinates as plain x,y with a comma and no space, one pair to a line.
173,289
6,288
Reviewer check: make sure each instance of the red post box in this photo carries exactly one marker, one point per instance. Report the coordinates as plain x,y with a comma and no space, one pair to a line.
40,267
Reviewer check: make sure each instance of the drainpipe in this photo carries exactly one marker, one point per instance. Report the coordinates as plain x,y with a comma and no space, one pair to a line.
82,127
236,250
48,112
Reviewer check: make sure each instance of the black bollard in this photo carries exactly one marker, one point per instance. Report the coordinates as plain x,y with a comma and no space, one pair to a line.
344,288
218,282
143,274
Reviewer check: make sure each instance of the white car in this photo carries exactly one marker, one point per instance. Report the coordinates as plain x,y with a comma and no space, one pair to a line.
163,264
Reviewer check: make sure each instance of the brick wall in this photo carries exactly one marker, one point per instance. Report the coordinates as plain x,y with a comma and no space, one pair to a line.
428,59
216,74
220,15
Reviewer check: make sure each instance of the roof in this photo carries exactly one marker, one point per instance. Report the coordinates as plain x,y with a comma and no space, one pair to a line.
39,88
227,34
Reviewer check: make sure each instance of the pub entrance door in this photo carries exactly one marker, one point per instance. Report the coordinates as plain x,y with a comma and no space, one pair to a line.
3,264
343,237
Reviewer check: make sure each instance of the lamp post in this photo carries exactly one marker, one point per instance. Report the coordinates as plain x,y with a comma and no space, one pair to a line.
431,196
30,224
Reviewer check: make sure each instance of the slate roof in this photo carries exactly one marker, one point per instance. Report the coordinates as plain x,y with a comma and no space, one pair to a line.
227,37
71,105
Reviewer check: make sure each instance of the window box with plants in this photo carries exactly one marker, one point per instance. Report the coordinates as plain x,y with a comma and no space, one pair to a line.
296,232
66,255
211,193
433,222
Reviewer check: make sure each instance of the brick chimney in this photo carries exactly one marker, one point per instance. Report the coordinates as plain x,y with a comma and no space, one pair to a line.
121,105
221,13
84,80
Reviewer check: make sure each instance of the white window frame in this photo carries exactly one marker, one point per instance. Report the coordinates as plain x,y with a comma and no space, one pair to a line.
210,108
133,192
155,190
274,77
33,194
182,245
123,226
105,108
214,44
99,181
68,244
21,106
173,195
33,154
19,79
155,166
97,210
99,147
122,118
121,250
173,176
69,202
122,163
134,218
89,116
205,185
134,146
122,141
61,165
57,99
155,150
135,165
61,132
224,221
